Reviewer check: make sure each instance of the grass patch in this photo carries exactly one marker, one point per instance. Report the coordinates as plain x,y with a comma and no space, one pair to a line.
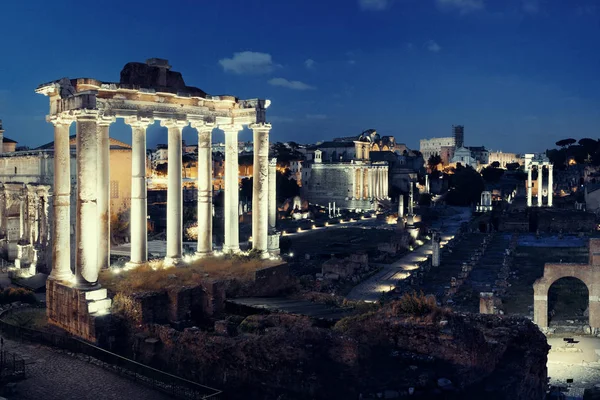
155,277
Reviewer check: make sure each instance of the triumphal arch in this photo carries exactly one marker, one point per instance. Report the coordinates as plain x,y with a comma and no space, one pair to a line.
147,92
588,273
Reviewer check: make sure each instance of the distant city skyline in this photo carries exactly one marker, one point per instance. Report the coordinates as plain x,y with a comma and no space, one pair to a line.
518,74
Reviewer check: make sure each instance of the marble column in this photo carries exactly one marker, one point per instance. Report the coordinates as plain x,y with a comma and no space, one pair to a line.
540,180
370,180
2,211
232,189
529,187
174,191
61,204
385,182
273,195
401,206
34,234
260,188
23,225
354,185
361,183
86,224
411,199
138,225
205,195
426,183
103,200
550,185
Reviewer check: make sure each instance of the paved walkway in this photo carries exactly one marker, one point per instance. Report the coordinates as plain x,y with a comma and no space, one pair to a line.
386,279
54,375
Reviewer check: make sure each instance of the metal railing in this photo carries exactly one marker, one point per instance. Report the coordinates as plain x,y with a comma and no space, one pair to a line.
141,373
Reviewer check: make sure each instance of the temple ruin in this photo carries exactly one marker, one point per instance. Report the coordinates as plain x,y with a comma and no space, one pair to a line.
146,93
539,162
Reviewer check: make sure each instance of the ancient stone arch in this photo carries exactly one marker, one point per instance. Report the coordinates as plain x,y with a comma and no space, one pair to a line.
589,274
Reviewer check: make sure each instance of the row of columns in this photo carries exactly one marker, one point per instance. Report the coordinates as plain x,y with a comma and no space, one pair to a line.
370,182
93,211
540,182
33,212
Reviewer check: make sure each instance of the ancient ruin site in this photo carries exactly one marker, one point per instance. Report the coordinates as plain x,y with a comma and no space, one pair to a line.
285,200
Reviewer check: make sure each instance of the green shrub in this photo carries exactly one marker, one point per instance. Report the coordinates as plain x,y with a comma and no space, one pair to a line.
414,303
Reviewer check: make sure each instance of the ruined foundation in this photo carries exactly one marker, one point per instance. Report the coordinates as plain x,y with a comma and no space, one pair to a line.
80,312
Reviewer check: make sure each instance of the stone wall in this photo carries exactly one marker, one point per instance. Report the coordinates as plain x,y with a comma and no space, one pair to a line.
336,268
176,304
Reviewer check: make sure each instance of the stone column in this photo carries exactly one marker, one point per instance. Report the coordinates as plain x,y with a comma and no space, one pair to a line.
138,225
529,187
232,189
86,223
260,188
103,184
34,235
385,182
550,185
61,204
540,180
174,192
411,199
370,179
426,183
376,182
401,206
23,226
43,218
273,195
435,249
361,183
205,195
2,211
354,185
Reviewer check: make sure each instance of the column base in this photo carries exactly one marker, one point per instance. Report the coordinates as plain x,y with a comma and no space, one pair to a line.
231,250
204,254
135,264
172,261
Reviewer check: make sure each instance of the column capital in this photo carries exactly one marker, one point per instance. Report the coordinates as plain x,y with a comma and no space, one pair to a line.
231,127
202,126
85,114
260,126
139,122
105,120
60,119
174,123
273,162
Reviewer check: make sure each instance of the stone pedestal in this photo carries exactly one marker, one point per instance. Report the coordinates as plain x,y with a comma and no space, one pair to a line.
273,244
79,312
487,303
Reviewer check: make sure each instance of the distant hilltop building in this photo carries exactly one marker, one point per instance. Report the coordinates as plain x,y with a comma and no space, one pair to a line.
452,149
7,145
504,158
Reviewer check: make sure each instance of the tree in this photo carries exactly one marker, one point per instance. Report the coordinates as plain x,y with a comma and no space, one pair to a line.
513,166
434,161
285,187
565,142
492,174
466,186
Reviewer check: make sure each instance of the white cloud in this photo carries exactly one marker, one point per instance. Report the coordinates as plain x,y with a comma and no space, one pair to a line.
316,116
296,85
249,62
433,46
531,6
374,5
310,63
463,6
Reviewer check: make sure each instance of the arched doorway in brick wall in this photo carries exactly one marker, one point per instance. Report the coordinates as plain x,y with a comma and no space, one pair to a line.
586,273
568,300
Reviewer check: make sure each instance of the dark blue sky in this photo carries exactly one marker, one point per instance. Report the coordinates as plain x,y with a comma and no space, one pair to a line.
519,74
